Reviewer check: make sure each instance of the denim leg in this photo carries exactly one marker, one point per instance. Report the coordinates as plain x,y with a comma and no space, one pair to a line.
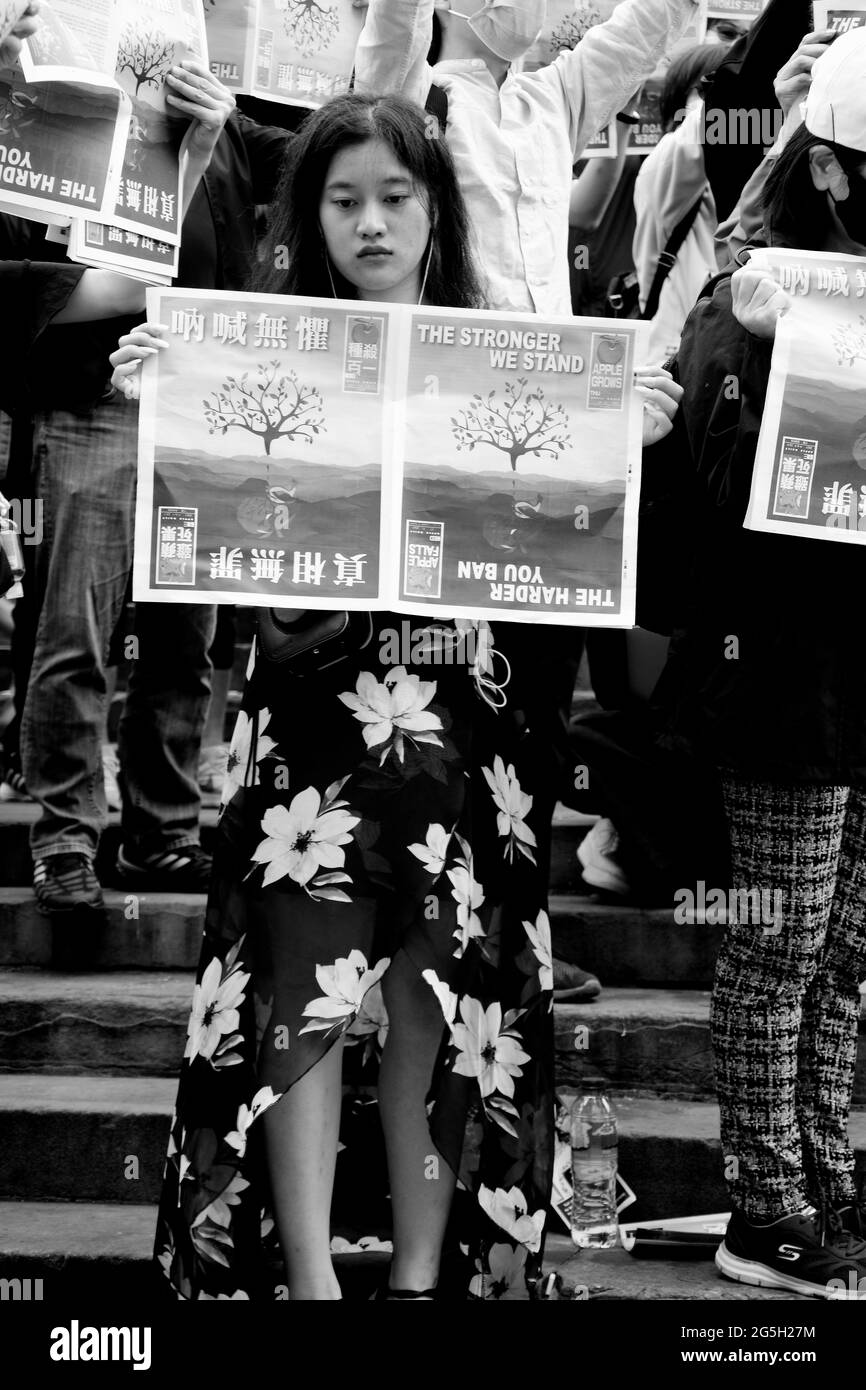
84,475
163,719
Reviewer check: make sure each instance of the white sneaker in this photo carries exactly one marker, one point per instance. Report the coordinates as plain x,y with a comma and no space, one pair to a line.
110,770
597,855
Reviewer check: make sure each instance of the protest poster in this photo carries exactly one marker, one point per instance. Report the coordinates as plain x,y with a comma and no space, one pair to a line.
839,18
304,50
230,28
809,477
332,454
520,471
262,437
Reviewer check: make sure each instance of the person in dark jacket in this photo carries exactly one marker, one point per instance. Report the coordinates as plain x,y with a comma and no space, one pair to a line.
767,678
81,467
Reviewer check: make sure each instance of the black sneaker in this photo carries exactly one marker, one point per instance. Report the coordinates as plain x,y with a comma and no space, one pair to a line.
66,883
853,1219
806,1253
571,985
185,870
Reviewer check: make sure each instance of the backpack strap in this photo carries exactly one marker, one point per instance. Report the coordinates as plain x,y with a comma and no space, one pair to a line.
668,257
437,105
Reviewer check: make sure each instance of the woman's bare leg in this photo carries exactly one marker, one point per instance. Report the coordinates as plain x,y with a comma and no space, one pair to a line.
301,1133
422,1183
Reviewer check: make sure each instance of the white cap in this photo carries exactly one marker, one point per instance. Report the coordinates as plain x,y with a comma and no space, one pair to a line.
836,104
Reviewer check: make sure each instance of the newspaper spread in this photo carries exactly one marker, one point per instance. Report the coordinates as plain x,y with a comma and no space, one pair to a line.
333,454
63,117
114,55
838,17
809,477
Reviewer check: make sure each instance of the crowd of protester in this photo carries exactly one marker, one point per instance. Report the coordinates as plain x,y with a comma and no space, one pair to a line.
747,773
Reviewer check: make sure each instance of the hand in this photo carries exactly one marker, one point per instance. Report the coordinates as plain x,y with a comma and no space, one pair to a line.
144,341
758,300
194,91
661,401
10,44
793,81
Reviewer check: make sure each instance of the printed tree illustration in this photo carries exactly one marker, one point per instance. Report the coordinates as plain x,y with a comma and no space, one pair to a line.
523,423
148,55
310,26
849,341
571,29
271,405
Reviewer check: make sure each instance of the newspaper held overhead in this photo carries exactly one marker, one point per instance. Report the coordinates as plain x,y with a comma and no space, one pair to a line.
840,18
304,50
332,454
566,24
809,477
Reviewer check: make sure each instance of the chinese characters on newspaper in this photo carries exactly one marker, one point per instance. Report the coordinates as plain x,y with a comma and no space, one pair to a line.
327,454
810,470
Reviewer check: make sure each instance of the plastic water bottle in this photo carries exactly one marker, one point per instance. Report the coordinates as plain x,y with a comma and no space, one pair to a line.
593,1167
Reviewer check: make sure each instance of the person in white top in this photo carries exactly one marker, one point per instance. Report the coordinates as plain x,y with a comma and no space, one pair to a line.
516,136
673,183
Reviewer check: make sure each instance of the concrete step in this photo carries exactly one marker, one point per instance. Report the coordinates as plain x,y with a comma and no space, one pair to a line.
649,1041
652,1042
624,946
669,1150
88,1250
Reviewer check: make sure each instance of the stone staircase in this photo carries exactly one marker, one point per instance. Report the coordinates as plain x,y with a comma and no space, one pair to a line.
92,1029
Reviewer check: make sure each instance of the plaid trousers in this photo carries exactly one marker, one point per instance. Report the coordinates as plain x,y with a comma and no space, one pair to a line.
786,1002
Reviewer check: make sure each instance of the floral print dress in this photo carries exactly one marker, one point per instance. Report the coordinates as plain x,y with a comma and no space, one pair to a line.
370,808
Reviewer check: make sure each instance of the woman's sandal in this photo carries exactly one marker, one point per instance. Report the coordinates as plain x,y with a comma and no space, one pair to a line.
384,1291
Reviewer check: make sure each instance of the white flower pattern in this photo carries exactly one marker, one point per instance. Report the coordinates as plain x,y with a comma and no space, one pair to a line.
239,753
394,710
345,983
488,1049
304,837
513,806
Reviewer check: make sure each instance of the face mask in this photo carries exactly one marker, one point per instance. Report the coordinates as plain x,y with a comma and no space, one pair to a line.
507,27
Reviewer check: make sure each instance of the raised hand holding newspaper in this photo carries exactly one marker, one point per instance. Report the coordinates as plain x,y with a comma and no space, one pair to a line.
809,477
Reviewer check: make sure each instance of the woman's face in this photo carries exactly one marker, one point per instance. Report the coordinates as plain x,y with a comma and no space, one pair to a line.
374,222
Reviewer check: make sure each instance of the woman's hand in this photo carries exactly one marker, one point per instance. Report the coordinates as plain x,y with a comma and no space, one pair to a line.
758,301
10,43
661,401
144,341
793,81
192,90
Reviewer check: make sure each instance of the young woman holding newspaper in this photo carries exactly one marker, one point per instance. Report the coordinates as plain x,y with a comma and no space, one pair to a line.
767,679
385,892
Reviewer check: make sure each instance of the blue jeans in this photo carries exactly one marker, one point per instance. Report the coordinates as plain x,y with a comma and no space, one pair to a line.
84,469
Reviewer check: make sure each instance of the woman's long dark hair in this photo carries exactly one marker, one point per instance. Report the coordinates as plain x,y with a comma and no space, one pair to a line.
293,259
796,213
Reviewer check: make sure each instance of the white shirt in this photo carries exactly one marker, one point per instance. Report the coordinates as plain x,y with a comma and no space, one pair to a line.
672,179
515,145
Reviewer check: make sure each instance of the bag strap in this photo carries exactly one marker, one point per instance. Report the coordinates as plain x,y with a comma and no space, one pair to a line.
668,257
437,105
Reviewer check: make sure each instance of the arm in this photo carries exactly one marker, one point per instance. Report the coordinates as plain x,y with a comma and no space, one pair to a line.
391,55
598,76
266,151
592,191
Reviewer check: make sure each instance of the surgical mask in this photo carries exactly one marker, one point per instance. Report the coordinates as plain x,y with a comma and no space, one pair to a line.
507,27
